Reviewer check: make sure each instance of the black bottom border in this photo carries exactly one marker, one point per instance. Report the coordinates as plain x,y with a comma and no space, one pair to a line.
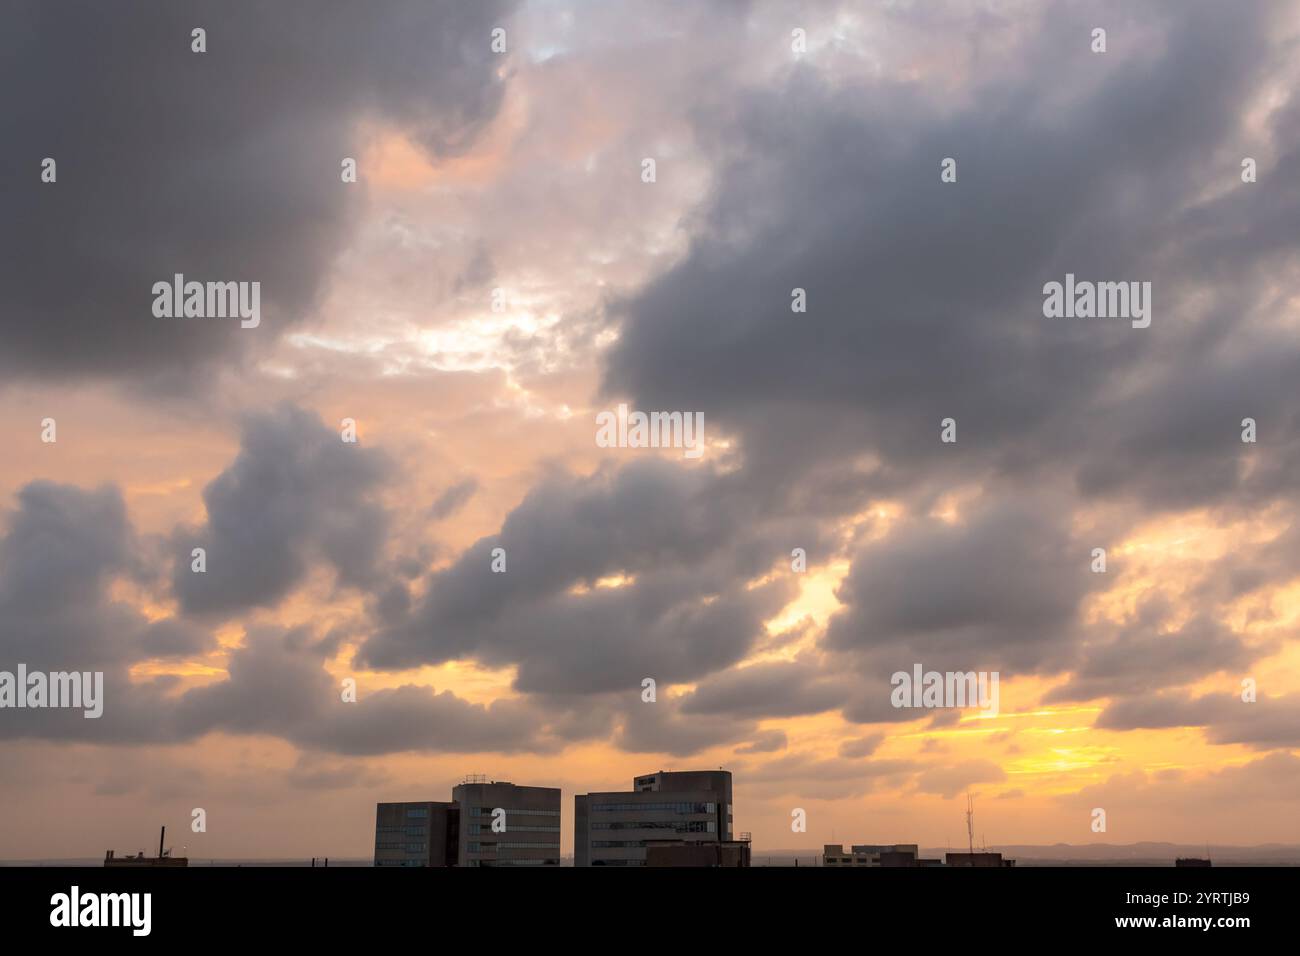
924,907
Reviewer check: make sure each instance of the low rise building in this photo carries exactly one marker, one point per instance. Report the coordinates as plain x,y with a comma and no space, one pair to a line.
486,823
503,824
985,858
680,853
672,809
872,854
423,833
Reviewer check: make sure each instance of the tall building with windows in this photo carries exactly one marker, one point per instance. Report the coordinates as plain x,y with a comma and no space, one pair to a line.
527,831
689,807
416,834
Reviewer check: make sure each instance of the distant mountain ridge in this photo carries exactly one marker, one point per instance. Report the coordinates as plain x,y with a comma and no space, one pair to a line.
1145,853
1267,852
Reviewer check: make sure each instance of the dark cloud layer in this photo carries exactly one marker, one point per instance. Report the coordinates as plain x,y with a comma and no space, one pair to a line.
680,550
777,689
924,298
999,590
276,686
1266,723
1145,656
63,548
296,495
925,302
220,166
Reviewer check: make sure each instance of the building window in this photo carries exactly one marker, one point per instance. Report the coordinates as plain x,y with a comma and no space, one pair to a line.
672,807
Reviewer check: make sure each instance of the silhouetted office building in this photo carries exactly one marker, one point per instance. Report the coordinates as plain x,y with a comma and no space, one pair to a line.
681,853
416,834
670,808
1191,861
164,857
112,859
906,858
978,859
873,854
531,821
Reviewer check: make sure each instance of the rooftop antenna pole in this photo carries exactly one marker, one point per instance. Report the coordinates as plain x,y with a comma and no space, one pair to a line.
161,837
970,823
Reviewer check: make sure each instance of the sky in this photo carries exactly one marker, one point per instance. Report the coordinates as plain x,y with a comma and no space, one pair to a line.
504,269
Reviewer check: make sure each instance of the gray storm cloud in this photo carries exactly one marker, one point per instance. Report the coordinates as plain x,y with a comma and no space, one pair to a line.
924,299
222,166
684,609
296,495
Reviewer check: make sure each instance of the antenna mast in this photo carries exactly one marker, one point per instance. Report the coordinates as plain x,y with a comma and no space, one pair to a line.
970,823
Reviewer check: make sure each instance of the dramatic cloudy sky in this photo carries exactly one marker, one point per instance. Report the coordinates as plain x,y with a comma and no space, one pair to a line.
519,174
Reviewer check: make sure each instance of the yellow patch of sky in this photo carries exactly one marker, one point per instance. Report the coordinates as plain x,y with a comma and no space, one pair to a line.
165,486
611,581
466,679
949,507
1056,744
206,669
816,600
1167,554
149,669
126,591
